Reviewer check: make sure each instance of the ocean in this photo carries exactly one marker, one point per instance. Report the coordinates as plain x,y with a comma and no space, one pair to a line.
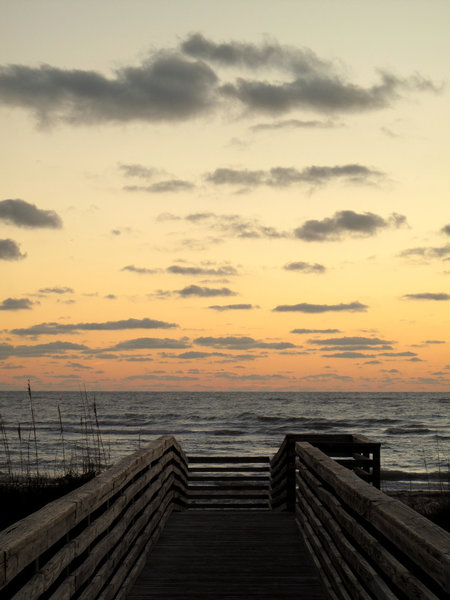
413,428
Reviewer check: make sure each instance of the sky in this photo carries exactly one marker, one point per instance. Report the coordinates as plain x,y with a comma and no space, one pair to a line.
200,195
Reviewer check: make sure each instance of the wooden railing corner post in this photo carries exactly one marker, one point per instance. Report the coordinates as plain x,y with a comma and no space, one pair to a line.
290,473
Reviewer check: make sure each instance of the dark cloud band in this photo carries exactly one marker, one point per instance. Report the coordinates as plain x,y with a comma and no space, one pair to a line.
305,307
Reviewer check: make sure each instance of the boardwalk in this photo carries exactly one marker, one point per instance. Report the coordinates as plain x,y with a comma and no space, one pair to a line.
229,554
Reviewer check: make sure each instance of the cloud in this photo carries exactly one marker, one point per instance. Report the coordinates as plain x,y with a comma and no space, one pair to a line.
287,176
56,290
228,224
124,324
180,85
345,222
197,355
136,170
37,350
225,307
446,229
303,331
224,271
10,250
162,187
293,124
250,377
204,292
398,354
16,304
323,94
139,270
349,354
253,56
167,87
321,308
241,343
236,177
316,84
151,344
351,342
327,376
427,296
427,252
23,214
305,267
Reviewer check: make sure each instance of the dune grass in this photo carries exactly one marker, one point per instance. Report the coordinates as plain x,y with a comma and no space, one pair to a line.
25,486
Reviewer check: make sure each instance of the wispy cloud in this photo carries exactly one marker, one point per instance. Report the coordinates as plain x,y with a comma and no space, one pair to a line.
151,344
137,170
427,296
225,307
287,176
307,331
350,341
294,124
162,187
350,354
10,250
23,214
36,350
223,271
124,324
140,270
204,292
56,290
232,225
427,252
240,343
305,267
305,307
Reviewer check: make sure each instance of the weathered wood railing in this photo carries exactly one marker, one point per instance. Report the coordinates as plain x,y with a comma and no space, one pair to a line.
356,452
366,544
92,542
229,482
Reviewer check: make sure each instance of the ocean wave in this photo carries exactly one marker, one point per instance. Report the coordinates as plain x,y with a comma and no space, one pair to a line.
399,475
228,432
406,430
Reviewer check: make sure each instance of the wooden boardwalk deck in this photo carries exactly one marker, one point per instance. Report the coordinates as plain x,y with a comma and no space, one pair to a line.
229,554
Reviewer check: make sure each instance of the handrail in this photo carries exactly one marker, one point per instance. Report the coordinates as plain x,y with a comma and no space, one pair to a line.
366,543
356,452
88,542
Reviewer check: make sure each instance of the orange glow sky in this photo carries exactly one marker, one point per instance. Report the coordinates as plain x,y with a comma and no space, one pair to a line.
242,195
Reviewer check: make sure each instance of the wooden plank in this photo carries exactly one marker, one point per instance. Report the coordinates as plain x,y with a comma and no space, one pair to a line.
48,574
351,583
115,571
321,555
359,565
228,459
216,555
394,570
422,541
121,532
27,539
135,560
231,479
229,469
